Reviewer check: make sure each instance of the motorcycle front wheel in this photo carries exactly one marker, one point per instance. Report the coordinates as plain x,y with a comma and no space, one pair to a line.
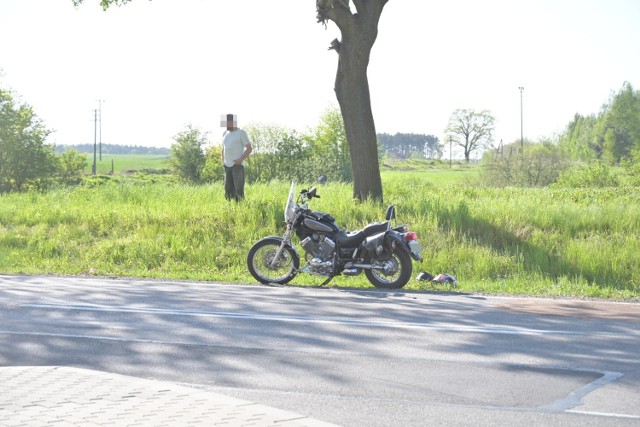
393,273
265,268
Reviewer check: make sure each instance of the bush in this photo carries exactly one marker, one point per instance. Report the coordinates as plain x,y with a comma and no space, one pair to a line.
213,168
595,174
26,161
631,167
187,158
284,154
540,166
71,167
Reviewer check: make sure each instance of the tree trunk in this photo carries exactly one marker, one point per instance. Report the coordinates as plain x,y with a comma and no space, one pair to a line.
359,31
352,91
467,150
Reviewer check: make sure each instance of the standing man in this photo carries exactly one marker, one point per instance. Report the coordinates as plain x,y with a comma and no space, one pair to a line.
236,147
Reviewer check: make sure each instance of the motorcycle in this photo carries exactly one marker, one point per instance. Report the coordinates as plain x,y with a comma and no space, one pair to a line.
382,251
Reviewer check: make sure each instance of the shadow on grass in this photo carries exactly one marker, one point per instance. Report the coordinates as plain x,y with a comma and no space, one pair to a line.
534,258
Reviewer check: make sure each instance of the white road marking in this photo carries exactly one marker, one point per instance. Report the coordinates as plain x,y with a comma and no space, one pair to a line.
605,414
575,397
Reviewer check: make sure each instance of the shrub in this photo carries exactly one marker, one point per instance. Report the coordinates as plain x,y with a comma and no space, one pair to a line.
71,167
540,166
26,161
213,168
595,174
631,167
187,158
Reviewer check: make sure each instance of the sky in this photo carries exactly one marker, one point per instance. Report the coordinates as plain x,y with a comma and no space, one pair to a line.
154,67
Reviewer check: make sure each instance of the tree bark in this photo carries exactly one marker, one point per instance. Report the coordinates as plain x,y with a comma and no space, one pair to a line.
359,31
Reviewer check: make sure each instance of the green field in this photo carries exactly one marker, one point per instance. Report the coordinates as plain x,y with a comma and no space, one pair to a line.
123,163
534,241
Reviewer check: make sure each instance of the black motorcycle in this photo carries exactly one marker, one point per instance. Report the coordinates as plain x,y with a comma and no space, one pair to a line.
381,250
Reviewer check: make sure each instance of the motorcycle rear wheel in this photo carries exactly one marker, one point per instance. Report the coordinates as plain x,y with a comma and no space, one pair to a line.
260,260
396,272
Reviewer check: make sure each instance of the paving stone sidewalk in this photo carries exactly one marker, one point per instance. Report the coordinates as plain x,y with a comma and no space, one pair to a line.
60,396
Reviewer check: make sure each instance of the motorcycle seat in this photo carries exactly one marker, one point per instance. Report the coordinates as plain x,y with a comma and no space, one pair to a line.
354,238
375,228
350,239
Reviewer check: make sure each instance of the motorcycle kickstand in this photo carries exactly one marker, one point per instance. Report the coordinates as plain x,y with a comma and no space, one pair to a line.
327,281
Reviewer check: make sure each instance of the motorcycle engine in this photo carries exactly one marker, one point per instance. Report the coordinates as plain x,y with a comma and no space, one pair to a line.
320,252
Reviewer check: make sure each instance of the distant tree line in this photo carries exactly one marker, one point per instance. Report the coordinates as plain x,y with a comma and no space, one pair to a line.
114,149
406,145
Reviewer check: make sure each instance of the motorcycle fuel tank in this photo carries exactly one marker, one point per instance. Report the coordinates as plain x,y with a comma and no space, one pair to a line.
317,225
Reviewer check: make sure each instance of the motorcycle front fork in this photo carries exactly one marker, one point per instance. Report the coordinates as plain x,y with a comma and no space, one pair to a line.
285,241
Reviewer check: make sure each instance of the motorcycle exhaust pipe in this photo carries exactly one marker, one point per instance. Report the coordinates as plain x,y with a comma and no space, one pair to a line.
360,265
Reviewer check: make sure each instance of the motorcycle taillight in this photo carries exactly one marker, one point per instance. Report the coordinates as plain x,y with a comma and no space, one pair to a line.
411,235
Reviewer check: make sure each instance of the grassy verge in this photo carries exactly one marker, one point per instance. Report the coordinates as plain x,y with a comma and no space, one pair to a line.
552,242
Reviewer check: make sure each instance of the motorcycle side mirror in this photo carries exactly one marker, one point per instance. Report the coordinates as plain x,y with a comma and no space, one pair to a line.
391,213
322,179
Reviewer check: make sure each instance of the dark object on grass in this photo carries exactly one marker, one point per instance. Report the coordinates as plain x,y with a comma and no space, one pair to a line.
427,277
440,278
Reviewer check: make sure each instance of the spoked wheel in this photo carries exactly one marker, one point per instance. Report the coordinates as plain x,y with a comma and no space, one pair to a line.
393,273
265,268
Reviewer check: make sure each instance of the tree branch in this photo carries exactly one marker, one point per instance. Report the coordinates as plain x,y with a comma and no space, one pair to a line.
337,11
104,3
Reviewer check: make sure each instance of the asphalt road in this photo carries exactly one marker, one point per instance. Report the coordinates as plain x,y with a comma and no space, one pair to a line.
349,357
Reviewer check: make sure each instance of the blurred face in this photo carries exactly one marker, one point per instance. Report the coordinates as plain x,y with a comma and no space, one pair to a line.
229,121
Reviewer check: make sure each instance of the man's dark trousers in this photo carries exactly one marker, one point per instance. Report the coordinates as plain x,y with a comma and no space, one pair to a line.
234,182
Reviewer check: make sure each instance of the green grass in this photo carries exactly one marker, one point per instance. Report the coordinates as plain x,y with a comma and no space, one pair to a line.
552,242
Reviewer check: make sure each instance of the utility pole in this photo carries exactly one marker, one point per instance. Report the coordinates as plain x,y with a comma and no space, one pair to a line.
95,122
450,152
521,131
100,111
